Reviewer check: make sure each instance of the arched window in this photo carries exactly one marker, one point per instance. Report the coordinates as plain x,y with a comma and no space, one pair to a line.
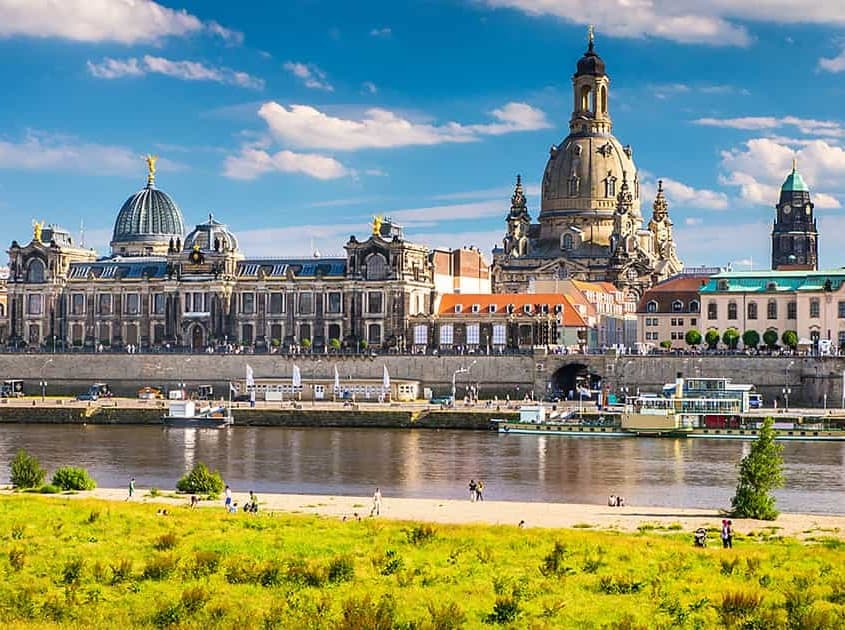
732,310
694,306
586,98
35,271
304,332
651,307
376,267
574,186
677,306
603,99
712,311
814,307
772,310
567,241
610,186
752,310
791,310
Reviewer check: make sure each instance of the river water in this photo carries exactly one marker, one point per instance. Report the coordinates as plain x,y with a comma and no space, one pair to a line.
695,473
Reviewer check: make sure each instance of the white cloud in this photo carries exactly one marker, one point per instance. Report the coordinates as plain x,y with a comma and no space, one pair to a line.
693,221
809,126
186,70
834,64
760,165
381,32
51,152
688,197
501,193
668,90
714,22
306,126
309,74
121,21
253,162
456,212
369,87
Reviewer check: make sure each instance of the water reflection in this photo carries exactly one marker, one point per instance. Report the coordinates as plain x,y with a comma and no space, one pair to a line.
683,473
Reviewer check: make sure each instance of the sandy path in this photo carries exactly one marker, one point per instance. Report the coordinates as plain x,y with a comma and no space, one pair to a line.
551,515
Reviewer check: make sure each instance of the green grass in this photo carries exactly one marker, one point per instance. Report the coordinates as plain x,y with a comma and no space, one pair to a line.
86,563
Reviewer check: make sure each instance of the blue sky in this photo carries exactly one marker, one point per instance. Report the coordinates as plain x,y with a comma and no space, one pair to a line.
294,122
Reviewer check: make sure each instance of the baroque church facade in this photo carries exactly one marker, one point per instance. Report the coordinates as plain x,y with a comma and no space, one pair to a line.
590,225
162,288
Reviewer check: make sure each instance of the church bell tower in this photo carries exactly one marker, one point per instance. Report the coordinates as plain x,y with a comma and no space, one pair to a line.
794,235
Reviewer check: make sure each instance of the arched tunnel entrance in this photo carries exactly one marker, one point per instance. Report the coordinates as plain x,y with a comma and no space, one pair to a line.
572,377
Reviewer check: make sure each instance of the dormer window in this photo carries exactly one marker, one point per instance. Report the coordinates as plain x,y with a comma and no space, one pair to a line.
510,308
677,306
771,286
651,307
544,309
492,308
526,309
476,308
567,241
458,308
558,308
722,285
694,306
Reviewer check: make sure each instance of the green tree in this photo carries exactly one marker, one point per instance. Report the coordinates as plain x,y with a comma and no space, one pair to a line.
790,338
730,338
334,343
693,337
666,344
72,478
305,343
711,337
751,339
760,472
201,480
25,471
770,338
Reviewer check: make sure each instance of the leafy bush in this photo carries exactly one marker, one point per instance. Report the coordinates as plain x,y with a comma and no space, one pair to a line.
420,534
760,472
334,343
730,338
305,573
553,562
72,478
121,571
194,598
751,339
505,610
165,541
364,613
201,480
159,567
770,338
49,488
790,338
693,337
736,606
447,616
341,569
619,585
72,571
390,563
205,563
25,471
17,558
711,337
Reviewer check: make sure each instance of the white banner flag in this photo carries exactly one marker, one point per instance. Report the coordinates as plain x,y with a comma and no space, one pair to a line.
250,378
336,379
296,377
385,379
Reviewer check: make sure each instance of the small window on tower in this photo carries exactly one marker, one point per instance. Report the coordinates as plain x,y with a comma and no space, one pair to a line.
574,186
610,186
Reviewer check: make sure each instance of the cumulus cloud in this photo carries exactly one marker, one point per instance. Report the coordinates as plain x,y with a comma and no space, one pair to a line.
381,32
121,21
809,126
186,70
686,196
253,162
306,126
715,22
310,75
51,152
758,167
833,64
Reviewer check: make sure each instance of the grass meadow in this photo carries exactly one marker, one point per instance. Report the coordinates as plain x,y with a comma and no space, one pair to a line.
83,563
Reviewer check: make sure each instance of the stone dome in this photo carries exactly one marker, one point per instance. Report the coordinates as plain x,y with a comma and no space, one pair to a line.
210,233
584,174
146,222
590,63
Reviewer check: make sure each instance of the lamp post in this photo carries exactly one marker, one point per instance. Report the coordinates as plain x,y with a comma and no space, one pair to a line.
786,389
43,381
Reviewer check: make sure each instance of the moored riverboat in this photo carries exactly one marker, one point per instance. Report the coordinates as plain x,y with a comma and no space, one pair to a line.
185,414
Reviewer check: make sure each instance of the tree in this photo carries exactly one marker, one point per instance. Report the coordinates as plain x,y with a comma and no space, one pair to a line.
201,480
751,339
770,338
760,472
306,344
731,338
666,344
711,337
693,337
334,343
790,338
25,471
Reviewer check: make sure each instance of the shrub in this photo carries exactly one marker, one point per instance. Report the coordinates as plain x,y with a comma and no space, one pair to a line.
789,338
306,343
25,471
72,571
93,517
71,478
17,558
447,616
121,571
619,585
736,606
194,598
711,338
341,569
201,480
17,531
365,613
693,337
49,488
205,563
420,534
770,338
305,573
730,338
159,567
553,562
760,472
751,339
334,343
165,541
505,610
390,563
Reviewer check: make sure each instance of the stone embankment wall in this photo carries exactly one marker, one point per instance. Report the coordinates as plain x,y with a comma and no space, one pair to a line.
809,379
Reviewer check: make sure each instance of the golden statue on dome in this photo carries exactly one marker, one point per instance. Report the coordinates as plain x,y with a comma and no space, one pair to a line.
151,168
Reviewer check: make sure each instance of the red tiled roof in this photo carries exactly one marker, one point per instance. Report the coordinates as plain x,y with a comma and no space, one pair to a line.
502,300
683,288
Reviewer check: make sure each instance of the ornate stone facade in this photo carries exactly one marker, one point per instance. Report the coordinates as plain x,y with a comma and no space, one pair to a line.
795,239
590,225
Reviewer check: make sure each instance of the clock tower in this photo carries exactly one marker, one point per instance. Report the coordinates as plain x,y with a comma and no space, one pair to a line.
794,235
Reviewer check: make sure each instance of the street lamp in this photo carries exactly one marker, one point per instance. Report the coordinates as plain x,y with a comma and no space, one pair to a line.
786,389
460,370
44,382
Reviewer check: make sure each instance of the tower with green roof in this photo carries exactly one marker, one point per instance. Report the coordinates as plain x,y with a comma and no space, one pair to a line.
795,239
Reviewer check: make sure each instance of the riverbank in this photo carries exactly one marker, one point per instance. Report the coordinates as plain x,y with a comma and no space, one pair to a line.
542,515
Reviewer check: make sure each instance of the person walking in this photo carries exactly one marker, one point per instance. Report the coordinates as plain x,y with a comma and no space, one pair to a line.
228,502
473,487
479,489
376,509
727,534
131,488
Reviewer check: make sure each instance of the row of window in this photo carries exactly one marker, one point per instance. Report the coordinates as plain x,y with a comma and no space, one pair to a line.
651,336
510,308
197,302
772,310
678,306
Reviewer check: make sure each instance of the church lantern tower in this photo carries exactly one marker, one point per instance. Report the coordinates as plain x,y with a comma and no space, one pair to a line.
794,235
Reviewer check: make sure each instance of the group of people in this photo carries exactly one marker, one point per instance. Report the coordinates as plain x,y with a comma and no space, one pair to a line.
727,534
232,507
616,500
476,490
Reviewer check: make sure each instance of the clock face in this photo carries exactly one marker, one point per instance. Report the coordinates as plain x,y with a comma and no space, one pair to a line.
786,208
